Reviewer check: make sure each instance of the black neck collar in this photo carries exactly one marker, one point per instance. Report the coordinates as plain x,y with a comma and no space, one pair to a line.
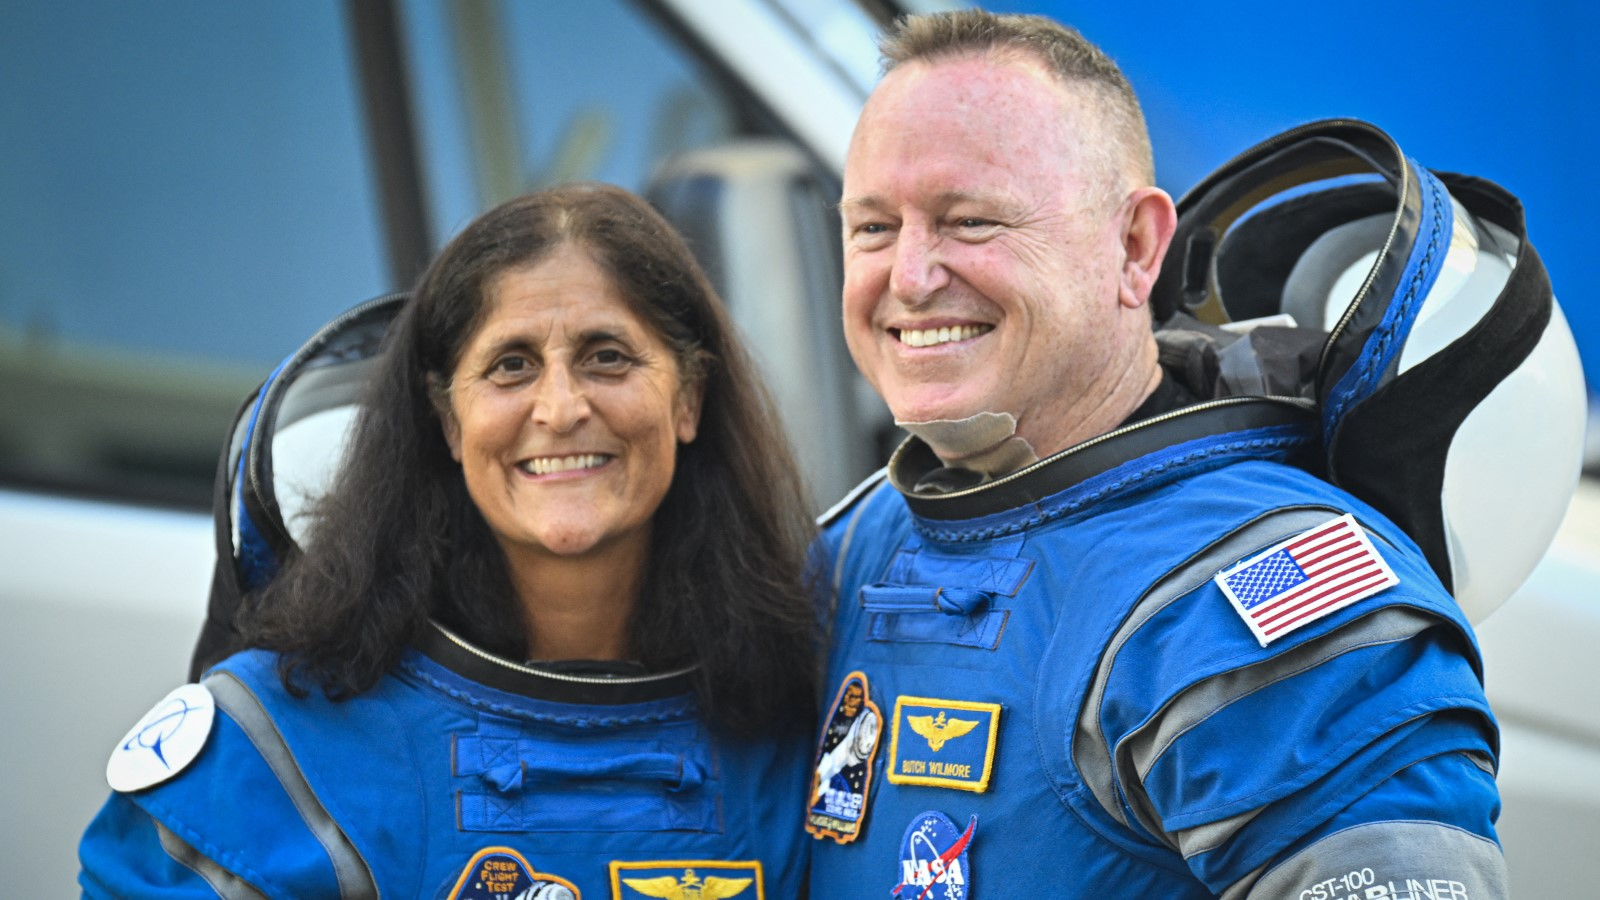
1075,465
559,683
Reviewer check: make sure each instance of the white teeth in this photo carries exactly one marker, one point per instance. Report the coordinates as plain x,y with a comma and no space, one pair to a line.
544,465
928,337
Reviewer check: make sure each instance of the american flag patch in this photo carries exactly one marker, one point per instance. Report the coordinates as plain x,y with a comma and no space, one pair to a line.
1306,577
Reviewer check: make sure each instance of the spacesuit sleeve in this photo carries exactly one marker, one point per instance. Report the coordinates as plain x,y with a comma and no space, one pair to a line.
237,819
127,854
1369,751
1417,834
1361,742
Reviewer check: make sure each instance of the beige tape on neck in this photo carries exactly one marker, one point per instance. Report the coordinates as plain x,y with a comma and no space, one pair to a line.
986,443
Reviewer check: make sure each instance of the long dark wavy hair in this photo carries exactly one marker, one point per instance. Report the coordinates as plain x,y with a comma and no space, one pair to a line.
398,539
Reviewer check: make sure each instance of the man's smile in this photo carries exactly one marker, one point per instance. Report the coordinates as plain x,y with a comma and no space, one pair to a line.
929,337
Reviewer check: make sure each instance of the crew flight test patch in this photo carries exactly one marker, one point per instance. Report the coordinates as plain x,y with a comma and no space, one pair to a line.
841,780
498,873
1311,575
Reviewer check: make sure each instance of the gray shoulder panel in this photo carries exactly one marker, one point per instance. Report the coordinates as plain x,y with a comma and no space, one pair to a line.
1138,752
242,705
227,885
1391,860
1091,754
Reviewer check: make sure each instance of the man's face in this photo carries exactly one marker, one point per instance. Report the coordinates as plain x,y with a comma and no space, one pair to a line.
983,254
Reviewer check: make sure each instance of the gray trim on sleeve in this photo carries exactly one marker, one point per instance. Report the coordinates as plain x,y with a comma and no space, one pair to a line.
1483,761
241,704
1240,889
1196,840
227,885
1395,860
1090,753
1138,753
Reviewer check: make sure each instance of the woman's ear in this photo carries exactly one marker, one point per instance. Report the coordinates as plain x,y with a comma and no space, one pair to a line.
439,396
452,434
690,398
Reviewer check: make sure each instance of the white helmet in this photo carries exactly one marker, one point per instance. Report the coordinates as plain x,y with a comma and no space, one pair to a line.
1448,383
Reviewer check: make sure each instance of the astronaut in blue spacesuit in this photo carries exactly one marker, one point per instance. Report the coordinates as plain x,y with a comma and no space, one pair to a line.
1123,641
546,637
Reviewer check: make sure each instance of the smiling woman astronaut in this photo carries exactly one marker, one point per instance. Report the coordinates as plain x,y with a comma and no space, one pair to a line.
546,631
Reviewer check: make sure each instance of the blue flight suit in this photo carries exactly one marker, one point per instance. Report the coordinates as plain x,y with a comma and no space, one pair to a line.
458,775
1073,708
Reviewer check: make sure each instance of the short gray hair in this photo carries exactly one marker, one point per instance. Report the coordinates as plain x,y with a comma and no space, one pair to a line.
1076,62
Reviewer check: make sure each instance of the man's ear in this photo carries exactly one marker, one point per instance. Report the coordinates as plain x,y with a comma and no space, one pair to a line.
1146,232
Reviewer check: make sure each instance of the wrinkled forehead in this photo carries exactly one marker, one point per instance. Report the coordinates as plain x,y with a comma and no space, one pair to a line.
584,276
1009,86
972,125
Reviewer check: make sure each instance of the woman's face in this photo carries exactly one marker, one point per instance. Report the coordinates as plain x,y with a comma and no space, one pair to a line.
566,411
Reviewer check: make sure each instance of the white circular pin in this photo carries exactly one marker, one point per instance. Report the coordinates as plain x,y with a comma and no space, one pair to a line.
164,742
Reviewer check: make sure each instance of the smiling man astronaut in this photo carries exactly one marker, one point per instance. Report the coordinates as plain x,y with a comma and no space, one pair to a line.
1050,596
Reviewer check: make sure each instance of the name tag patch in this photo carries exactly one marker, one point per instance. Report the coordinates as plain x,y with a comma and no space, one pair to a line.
842,778
1311,575
498,872
933,859
943,743
687,880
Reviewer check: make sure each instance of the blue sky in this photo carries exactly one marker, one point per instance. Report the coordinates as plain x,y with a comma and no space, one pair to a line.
1502,91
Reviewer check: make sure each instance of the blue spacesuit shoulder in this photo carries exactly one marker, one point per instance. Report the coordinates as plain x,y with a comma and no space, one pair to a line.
224,815
849,501
1355,618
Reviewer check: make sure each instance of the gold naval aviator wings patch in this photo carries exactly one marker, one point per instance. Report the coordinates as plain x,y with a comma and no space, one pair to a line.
943,743
687,880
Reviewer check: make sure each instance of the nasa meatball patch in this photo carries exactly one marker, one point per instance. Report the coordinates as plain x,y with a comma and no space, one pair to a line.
933,859
499,873
841,779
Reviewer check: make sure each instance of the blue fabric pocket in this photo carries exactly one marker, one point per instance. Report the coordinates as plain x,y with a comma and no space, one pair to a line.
929,596
523,778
